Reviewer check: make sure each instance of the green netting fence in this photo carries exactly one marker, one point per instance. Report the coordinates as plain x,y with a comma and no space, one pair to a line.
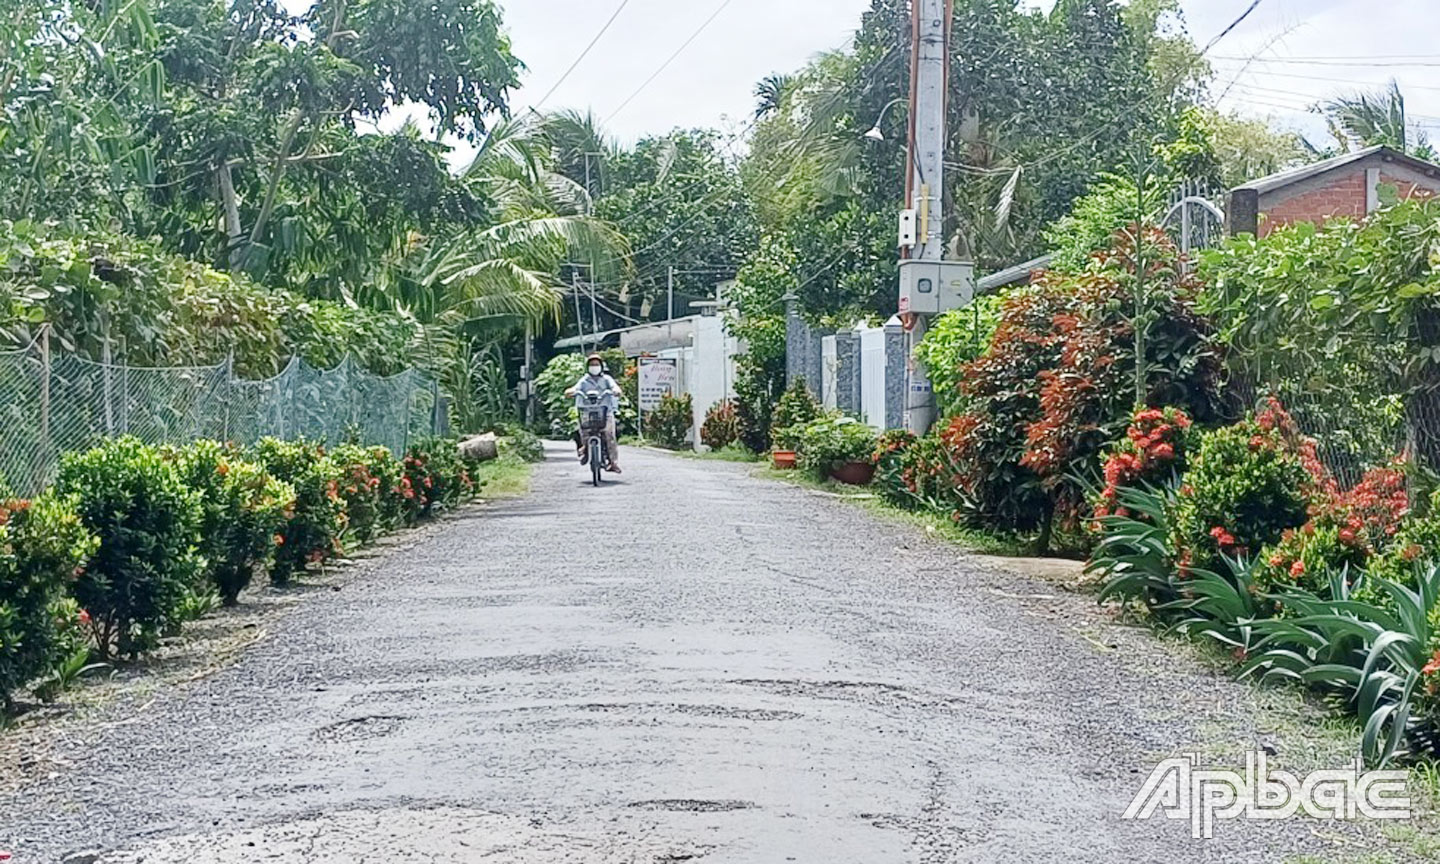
53,402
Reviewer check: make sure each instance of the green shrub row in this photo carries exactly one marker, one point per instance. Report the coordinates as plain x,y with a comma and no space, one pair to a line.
134,540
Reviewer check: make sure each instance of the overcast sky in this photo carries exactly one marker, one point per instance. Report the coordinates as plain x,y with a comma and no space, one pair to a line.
1308,50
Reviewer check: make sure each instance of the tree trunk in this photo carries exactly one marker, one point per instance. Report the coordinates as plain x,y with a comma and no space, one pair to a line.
230,203
1047,530
277,173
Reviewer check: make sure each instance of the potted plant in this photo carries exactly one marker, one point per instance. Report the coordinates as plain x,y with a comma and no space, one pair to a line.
785,456
838,447
797,407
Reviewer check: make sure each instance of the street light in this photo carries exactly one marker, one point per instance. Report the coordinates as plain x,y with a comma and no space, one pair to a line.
875,133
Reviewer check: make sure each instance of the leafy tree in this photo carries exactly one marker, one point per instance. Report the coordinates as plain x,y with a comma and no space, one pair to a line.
760,324
1341,320
771,93
679,201
1080,89
1249,149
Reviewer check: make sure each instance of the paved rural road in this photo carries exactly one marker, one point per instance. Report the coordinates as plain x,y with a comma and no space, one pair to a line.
695,664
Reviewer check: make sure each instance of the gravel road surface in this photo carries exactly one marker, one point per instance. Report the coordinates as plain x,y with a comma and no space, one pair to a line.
692,664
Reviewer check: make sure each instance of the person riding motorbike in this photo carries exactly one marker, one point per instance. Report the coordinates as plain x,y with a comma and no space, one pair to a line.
595,380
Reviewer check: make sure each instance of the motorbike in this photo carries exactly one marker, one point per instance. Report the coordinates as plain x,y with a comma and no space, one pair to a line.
594,417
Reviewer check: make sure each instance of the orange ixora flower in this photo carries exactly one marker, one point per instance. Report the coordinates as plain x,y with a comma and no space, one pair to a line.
1433,667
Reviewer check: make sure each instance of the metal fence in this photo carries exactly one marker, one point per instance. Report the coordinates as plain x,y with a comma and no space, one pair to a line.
53,402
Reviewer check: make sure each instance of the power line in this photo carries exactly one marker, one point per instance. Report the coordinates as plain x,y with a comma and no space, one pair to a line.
673,57
1233,24
1350,63
1350,81
1328,58
583,55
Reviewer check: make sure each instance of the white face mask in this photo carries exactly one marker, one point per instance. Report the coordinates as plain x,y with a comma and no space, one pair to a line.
595,370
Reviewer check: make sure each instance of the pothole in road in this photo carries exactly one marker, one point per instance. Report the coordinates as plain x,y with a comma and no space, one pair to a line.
692,805
359,729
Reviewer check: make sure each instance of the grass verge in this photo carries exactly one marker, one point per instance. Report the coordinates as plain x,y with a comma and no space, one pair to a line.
727,454
506,477
936,524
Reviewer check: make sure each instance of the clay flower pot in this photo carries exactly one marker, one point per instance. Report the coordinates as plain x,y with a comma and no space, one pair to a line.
783,459
854,473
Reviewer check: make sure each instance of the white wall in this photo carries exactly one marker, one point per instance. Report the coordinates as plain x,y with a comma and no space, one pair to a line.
713,376
872,375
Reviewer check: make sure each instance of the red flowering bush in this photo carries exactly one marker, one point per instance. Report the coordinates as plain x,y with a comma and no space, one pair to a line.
43,548
1246,486
1346,529
314,526
1416,543
916,472
360,489
1153,452
890,457
434,478
1057,385
722,425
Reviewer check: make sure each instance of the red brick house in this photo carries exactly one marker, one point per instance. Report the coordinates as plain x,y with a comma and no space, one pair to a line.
1347,185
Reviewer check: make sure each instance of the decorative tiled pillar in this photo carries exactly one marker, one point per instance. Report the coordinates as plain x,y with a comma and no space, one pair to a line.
847,372
894,374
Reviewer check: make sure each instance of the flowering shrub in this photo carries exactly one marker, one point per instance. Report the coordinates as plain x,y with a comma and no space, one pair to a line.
1153,452
891,453
147,521
1248,484
242,510
360,490
669,423
315,525
1347,530
722,425
43,547
1414,545
388,473
915,472
831,442
1058,382
435,478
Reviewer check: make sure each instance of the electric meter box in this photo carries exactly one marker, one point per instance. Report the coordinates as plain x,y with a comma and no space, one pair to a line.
934,287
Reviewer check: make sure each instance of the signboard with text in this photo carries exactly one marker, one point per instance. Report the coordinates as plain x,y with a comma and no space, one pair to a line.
658,377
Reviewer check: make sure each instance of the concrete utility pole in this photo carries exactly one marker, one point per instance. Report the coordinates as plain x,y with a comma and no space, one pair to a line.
930,65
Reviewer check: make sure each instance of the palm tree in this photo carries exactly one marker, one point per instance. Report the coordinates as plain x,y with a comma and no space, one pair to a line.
480,284
771,94
1369,119
581,149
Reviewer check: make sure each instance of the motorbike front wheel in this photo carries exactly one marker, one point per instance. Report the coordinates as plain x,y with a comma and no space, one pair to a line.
596,457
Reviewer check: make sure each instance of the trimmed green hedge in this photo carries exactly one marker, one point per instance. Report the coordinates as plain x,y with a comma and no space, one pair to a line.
116,555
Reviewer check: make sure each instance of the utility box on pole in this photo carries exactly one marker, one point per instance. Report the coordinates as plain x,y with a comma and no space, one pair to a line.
935,287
